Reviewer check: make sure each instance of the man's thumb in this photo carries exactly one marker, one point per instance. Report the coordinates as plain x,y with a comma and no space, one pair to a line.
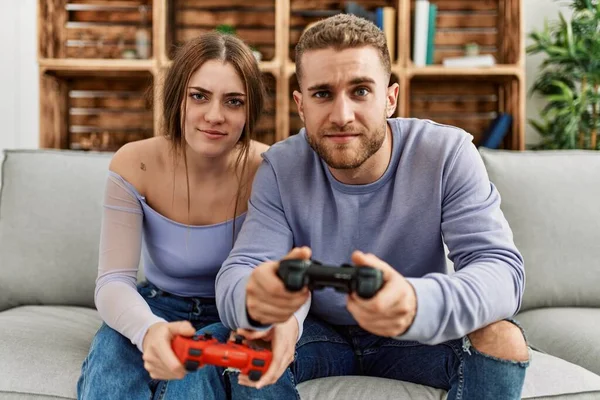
302,253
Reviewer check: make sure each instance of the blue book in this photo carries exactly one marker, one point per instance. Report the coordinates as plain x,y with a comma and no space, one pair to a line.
493,136
431,34
379,17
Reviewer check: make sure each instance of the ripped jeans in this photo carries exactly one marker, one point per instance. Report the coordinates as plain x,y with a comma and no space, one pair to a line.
455,366
325,350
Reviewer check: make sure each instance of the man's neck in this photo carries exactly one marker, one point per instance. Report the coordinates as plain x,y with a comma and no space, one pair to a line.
372,169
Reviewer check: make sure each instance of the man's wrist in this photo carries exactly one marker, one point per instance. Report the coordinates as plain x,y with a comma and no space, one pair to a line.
413,307
253,322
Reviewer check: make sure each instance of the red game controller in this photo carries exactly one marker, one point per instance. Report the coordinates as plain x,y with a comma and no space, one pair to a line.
196,351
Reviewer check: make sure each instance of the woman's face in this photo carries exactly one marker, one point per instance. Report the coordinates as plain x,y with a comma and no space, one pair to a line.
215,109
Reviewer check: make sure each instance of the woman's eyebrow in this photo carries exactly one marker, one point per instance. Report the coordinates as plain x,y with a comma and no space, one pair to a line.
201,89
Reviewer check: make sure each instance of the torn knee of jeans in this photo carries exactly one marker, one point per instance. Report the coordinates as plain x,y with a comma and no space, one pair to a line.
470,349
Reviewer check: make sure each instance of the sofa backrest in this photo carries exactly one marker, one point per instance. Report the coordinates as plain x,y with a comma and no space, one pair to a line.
551,200
50,213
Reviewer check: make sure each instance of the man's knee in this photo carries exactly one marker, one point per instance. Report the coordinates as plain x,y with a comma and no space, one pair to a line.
502,340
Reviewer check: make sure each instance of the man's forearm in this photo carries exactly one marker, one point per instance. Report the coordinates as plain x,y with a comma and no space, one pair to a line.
450,307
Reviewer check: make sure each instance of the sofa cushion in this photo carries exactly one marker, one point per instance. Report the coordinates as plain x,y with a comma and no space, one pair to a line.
547,377
50,213
43,347
551,200
575,334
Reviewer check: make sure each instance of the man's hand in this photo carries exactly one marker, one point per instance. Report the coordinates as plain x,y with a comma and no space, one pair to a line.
159,359
283,339
267,300
392,310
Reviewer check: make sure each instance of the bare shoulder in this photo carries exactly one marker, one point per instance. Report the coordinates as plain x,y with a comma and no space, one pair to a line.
138,162
255,154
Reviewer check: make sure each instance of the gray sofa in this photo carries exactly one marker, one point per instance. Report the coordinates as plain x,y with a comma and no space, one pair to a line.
50,208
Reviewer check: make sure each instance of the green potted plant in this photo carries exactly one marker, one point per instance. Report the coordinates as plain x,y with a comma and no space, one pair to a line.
569,79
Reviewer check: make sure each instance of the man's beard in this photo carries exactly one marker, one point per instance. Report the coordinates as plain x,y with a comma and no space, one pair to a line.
346,156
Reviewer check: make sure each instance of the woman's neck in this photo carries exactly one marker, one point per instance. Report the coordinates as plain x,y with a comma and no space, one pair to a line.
208,168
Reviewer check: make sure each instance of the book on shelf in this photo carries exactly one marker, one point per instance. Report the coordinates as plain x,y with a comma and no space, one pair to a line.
483,60
424,28
429,60
420,32
493,136
385,19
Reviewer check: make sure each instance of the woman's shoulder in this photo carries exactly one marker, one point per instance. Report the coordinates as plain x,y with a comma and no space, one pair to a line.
138,162
255,153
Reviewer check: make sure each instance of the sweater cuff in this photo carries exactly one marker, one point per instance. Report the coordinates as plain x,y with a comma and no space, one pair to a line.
138,339
430,311
301,316
242,317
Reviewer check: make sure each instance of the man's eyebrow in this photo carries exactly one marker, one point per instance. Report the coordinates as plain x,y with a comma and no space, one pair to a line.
361,79
354,81
320,86
201,89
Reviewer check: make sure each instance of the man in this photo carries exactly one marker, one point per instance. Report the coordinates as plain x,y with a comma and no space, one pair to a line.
357,186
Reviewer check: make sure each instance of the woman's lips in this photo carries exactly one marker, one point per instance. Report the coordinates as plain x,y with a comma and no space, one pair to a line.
212,134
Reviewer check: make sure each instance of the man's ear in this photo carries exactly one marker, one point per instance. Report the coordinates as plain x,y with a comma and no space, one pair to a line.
298,100
392,99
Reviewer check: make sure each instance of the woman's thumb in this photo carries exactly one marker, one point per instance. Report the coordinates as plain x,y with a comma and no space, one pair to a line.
183,328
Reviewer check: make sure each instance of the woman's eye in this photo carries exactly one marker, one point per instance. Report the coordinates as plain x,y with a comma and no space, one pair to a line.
197,96
236,102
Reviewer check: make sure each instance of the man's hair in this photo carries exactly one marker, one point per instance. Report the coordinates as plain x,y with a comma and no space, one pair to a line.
340,32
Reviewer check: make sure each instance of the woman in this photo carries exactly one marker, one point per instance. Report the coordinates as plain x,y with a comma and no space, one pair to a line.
177,200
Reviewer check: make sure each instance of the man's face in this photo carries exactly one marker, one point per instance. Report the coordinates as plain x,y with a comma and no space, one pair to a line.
344,102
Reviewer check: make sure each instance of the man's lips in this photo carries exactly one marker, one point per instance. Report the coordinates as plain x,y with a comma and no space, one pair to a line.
341,137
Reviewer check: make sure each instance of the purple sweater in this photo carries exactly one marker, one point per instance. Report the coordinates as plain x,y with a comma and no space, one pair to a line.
435,191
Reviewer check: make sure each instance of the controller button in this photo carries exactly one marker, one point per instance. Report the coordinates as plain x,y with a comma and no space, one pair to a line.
258,363
254,375
191,365
239,339
195,352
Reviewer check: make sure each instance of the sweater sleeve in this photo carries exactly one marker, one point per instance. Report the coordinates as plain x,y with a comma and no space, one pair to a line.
265,236
116,296
490,278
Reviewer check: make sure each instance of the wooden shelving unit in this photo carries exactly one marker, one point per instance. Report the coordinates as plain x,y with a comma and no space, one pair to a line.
92,98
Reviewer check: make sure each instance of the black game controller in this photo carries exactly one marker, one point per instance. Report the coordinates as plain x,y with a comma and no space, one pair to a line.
296,274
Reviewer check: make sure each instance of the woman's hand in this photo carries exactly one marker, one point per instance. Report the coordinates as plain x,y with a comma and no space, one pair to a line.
159,359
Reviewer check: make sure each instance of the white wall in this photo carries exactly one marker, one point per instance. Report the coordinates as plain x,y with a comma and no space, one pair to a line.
536,11
19,109
19,91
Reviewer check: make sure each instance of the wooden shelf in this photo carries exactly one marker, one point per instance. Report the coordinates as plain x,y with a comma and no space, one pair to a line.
84,39
75,64
440,70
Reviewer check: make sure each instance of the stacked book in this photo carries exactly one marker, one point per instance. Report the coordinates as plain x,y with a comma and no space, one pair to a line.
424,33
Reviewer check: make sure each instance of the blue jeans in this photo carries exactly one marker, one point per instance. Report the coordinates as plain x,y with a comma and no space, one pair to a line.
114,368
325,350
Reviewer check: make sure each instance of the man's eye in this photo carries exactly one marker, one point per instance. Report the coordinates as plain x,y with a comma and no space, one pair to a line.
322,94
362,92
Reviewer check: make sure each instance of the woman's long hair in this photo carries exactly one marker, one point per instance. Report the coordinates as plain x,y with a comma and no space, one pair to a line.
191,56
